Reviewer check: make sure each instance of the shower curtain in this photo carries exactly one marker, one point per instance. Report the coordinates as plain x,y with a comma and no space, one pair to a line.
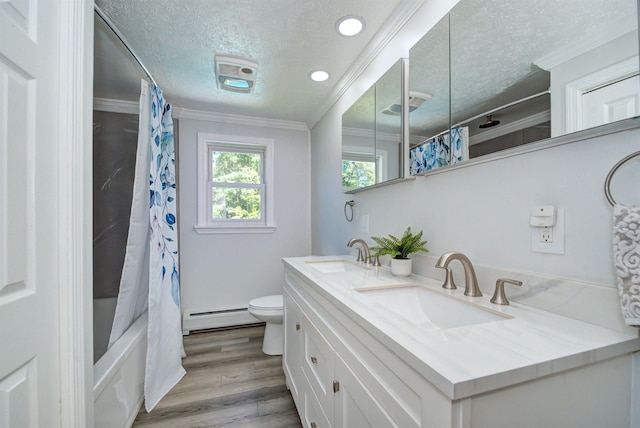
150,276
447,149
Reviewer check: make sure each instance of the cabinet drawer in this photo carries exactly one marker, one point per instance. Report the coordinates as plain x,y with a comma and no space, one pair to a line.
314,416
317,366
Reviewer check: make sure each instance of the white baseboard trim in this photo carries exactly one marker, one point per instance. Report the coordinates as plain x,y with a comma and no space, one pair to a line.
216,319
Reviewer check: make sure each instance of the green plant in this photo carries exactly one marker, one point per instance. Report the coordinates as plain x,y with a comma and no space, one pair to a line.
399,248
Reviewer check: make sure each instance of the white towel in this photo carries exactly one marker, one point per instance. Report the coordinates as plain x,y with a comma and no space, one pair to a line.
626,252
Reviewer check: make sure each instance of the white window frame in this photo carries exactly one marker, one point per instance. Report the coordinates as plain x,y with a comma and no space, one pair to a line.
207,225
359,153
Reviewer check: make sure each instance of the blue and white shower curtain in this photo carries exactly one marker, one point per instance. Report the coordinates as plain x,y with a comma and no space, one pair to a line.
439,151
150,278
164,349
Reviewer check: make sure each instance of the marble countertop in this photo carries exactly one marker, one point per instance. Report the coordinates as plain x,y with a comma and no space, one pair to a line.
468,360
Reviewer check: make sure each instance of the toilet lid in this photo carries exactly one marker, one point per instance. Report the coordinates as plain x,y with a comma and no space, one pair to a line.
267,302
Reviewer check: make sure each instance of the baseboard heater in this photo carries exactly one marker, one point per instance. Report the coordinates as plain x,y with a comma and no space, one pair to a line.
192,321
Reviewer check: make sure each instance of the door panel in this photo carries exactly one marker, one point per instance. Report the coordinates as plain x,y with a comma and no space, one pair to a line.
29,370
355,405
611,103
293,336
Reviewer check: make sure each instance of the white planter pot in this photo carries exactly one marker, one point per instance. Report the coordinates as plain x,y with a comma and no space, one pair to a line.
401,267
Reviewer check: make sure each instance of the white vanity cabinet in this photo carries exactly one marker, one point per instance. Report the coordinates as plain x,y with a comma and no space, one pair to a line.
344,370
329,392
336,381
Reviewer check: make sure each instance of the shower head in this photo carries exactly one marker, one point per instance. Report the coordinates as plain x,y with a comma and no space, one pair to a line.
489,122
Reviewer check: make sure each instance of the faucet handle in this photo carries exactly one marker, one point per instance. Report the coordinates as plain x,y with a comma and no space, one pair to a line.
360,258
499,298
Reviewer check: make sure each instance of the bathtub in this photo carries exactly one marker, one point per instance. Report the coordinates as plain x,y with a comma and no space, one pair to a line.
119,378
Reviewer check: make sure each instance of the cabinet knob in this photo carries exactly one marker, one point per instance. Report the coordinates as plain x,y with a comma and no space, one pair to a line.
297,326
336,386
499,298
314,360
314,425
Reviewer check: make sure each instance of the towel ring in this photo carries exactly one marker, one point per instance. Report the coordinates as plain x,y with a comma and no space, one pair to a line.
607,181
349,204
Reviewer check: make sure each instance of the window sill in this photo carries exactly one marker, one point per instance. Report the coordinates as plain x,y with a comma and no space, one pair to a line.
210,230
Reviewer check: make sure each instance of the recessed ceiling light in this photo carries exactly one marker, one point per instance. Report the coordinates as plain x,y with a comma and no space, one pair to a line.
350,25
319,75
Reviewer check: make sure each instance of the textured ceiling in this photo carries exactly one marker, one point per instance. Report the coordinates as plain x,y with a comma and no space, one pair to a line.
494,47
177,41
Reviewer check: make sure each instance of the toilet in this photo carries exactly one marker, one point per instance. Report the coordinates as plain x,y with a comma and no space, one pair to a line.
270,309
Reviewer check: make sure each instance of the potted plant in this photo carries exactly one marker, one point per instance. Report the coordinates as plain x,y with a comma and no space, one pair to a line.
399,249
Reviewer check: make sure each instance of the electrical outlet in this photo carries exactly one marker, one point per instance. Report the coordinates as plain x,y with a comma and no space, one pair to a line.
549,239
546,234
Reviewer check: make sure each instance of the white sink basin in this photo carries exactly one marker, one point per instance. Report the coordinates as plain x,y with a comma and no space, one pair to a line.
333,266
422,306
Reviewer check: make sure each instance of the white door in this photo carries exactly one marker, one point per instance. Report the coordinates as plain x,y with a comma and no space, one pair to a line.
611,103
29,349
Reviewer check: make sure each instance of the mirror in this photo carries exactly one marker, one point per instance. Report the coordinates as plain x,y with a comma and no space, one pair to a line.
372,149
429,116
522,72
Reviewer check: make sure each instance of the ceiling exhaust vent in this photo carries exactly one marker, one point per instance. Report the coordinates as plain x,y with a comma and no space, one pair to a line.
415,100
236,74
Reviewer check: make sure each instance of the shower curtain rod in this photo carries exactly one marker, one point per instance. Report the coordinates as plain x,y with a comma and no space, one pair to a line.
530,97
119,35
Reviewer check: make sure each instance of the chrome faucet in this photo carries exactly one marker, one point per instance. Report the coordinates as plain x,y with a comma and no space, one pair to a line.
365,248
470,281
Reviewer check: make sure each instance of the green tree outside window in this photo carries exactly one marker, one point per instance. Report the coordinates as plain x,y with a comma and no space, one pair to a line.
357,173
237,181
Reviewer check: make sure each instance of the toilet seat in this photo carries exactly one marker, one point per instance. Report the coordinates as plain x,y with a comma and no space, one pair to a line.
267,303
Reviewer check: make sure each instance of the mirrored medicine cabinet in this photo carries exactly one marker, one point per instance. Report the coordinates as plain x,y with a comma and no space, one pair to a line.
496,74
373,152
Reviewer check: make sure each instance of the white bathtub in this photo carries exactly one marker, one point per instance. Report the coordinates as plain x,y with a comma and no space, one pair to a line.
119,378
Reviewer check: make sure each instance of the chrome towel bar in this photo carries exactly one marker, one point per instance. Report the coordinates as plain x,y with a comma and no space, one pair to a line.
607,181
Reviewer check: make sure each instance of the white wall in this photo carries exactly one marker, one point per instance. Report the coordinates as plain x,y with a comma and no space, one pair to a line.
330,231
225,271
482,210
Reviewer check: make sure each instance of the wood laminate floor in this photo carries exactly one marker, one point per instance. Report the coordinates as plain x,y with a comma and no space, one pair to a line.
230,382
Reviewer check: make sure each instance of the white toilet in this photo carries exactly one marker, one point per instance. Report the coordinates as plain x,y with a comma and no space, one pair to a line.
270,309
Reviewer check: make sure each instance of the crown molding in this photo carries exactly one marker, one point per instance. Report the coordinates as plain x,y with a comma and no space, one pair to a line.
389,29
369,133
115,106
582,45
183,113
131,107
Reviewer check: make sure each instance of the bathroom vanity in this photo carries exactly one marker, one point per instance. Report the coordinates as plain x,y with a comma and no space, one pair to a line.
364,348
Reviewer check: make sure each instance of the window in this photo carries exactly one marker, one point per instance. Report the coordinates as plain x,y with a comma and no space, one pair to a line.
360,168
358,173
235,188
